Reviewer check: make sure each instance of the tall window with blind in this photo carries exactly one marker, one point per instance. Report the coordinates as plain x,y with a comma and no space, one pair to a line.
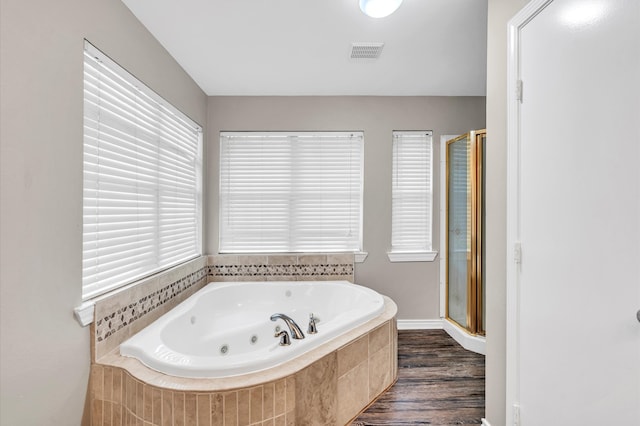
142,179
291,192
412,197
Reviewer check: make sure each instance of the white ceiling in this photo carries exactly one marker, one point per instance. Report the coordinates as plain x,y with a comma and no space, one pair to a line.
302,47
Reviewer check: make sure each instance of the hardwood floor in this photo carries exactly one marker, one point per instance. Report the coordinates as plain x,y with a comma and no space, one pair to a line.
439,383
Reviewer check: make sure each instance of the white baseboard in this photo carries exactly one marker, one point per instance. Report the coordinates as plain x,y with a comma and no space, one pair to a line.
471,343
426,324
485,422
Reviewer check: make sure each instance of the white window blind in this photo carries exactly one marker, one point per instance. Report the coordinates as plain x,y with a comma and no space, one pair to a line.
291,192
412,192
142,179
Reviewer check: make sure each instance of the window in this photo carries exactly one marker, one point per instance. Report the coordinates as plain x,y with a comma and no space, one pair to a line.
142,172
291,192
412,197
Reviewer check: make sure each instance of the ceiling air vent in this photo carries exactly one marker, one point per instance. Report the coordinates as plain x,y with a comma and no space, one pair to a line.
366,50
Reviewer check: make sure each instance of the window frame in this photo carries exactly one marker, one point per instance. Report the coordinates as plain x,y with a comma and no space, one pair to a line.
309,135
177,138
428,254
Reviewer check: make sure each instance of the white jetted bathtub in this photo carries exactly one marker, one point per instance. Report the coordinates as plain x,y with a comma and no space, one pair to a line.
225,328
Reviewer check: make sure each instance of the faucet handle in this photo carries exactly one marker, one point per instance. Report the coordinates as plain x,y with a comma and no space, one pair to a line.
312,329
284,338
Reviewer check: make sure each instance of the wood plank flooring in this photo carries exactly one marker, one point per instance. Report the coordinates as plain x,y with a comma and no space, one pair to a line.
439,383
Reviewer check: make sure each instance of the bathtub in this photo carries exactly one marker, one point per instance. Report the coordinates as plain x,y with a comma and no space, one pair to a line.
225,330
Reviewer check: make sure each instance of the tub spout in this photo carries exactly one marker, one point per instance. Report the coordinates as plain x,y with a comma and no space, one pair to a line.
296,333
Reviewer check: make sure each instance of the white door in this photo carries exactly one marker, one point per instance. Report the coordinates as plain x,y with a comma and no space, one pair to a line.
574,214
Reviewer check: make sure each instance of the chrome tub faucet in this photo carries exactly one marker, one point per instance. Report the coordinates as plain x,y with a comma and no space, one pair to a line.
284,337
312,329
296,333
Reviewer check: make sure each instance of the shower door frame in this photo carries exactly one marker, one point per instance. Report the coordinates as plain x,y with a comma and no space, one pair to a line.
474,311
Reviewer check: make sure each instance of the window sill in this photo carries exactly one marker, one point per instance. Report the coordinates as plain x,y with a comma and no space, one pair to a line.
360,256
423,256
84,313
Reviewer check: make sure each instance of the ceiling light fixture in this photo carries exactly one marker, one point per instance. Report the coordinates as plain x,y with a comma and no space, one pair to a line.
379,8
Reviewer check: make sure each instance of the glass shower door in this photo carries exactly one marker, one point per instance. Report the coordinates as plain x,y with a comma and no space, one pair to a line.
458,228
465,293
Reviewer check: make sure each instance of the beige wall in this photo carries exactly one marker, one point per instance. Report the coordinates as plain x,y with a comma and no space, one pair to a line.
500,12
44,352
413,286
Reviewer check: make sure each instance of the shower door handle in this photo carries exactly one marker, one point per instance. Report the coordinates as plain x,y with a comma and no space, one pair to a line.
638,315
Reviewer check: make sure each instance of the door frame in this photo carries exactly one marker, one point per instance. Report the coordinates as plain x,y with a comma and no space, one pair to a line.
515,26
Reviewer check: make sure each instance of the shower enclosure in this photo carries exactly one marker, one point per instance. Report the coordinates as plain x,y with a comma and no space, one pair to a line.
465,301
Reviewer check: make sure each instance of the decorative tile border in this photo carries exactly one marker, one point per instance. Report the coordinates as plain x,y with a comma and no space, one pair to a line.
286,270
285,267
126,315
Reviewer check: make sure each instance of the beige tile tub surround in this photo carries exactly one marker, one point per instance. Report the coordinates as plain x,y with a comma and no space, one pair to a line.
326,386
